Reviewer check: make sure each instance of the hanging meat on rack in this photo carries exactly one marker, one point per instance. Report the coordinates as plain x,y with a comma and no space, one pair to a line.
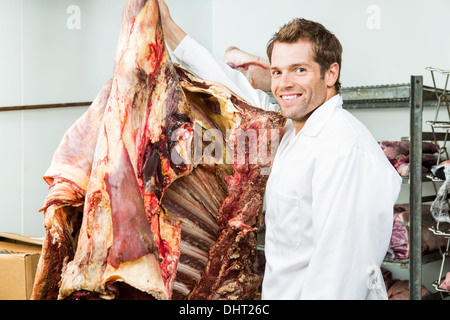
398,154
157,190
399,244
399,290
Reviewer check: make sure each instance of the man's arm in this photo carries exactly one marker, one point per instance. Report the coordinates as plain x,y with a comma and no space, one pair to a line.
353,200
173,34
198,60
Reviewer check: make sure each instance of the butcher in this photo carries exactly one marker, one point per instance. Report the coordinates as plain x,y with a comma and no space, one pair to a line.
331,191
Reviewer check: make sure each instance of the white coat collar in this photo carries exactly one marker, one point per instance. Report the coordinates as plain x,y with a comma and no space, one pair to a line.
320,116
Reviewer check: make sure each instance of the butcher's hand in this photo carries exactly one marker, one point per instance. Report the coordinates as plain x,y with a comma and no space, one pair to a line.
173,34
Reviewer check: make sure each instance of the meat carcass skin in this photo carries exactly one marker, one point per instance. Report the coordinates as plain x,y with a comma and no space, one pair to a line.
145,101
155,221
68,176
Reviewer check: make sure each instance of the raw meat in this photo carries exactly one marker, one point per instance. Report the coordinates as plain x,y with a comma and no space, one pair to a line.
399,290
445,285
141,206
387,277
256,69
68,176
398,154
235,196
399,245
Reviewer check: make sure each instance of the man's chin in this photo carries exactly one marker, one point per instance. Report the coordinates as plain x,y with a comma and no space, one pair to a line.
289,115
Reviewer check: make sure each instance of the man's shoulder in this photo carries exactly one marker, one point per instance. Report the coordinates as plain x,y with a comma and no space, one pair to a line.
346,131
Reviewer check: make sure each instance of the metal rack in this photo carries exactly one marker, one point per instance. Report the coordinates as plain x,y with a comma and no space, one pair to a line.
414,96
417,135
436,125
439,233
415,196
442,98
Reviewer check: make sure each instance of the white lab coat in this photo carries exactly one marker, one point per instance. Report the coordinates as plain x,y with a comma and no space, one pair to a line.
329,197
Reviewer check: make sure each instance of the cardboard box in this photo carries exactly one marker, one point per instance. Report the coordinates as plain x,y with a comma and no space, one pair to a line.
19,256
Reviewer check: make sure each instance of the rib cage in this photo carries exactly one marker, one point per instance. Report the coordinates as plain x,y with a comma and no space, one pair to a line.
187,200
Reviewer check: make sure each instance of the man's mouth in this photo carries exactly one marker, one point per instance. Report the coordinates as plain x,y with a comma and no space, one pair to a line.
290,97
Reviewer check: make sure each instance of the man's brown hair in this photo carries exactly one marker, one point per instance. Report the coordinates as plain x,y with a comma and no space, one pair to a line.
326,46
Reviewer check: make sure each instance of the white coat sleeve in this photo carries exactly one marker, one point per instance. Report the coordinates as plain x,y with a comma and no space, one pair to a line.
199,61
352,225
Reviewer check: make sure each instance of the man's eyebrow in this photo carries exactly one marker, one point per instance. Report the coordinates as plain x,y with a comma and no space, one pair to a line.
301,64
295,65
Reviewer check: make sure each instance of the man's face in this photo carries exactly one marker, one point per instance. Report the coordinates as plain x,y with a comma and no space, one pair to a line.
296,81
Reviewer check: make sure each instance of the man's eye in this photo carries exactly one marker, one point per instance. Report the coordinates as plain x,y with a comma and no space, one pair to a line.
300,70
276,73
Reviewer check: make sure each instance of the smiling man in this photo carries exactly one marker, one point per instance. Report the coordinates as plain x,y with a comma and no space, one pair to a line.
331,192
300,84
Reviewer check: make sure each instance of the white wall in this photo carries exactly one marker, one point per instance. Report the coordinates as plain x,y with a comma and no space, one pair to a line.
408,37
28,140
43,60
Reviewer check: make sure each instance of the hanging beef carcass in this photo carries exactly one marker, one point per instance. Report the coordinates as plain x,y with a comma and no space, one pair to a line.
152,194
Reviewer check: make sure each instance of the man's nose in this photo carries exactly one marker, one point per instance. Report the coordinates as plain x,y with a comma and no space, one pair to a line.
286,80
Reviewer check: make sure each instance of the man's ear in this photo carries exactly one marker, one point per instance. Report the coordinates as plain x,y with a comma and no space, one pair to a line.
332,74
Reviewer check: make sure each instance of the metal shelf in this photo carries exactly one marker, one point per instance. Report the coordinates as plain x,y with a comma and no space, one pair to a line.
417,135
404,263
387,96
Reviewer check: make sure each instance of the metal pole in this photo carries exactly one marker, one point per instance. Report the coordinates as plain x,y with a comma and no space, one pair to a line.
415,197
